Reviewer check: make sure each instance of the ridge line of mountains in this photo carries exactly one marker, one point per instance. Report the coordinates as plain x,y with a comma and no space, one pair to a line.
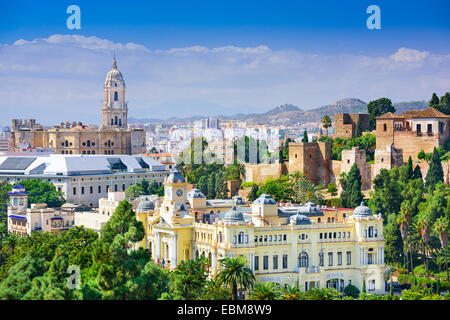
289,114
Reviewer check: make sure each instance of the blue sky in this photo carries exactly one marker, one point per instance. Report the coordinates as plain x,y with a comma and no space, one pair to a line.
188,57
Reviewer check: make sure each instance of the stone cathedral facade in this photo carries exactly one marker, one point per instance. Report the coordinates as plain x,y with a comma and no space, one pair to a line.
112,137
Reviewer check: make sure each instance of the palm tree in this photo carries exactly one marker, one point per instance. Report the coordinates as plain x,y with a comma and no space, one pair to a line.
215,291
304,190
424,230
241,170
404,221
264,291
441,226
322,294
387,275
235,274
414,243
289,292
326,122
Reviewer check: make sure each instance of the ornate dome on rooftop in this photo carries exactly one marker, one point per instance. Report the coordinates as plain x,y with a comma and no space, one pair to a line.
175,176
145,205
299,219
362,211
195,193
233,216
264,199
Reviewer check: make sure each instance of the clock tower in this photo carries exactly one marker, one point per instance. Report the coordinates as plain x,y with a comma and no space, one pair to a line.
175,196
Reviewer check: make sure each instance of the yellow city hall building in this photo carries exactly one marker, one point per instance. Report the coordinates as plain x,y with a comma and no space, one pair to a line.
313,246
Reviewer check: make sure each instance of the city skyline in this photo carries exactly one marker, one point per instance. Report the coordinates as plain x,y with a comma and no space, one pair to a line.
209,60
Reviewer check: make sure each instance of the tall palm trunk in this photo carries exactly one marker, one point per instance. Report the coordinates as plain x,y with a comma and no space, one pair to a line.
446,262
426,260
411,259
234,292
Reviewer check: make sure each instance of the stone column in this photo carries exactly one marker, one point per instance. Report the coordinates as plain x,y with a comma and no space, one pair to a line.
158,246
173,259
362,256
213,262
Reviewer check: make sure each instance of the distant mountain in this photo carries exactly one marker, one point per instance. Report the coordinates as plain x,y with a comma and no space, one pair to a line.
401,107
289,114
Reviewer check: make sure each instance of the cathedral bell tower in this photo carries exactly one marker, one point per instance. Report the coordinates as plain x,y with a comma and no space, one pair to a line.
115,109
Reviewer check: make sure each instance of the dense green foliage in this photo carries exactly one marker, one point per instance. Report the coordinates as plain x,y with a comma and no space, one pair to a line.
366,141
442,104
294,188
38,192
417,210
144,188
435,172
377,108
351,195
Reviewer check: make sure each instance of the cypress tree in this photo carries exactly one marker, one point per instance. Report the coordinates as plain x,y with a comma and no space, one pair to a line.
409,169
435,173
305,136
220,186
417,173
394,245
253,195
353,187
203,185
358,130
212,186
434,100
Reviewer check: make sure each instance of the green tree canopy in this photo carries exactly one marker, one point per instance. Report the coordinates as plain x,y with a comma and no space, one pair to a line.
377,108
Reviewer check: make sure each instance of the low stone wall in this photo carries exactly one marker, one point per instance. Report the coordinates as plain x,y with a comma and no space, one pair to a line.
261,172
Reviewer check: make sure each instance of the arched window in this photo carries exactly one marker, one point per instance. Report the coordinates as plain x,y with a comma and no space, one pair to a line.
89,143
120,122
318,220
370,232
115,120
112,121
303,260
116,96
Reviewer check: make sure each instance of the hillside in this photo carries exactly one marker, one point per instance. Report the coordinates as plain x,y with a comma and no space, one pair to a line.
288,114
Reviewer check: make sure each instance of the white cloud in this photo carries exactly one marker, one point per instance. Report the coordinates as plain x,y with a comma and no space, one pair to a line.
409,55
66,72
93,42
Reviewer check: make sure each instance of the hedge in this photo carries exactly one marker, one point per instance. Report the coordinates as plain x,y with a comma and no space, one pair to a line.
422,282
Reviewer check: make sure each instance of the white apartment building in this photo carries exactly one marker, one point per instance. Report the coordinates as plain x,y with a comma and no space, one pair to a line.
83,179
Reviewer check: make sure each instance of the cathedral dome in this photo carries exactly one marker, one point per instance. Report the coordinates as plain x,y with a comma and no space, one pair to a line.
114,76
